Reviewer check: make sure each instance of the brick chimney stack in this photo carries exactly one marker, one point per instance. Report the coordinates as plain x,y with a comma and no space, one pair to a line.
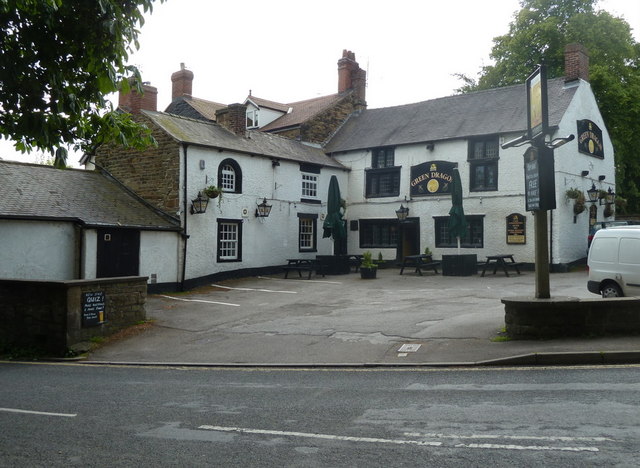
133,102
576,62
181,83
351,76
234,118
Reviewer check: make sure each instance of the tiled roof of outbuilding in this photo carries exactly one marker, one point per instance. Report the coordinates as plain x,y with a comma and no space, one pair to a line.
256,143
44,192
499,110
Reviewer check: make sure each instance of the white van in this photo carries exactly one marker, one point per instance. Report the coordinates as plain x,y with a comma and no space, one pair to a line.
614,262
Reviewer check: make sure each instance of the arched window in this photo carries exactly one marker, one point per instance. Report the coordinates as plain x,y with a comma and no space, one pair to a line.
230,176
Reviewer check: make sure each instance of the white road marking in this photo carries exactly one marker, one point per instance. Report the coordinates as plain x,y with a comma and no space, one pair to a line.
200,300
40,413
308,435
251,289
527,447
301,282
433,435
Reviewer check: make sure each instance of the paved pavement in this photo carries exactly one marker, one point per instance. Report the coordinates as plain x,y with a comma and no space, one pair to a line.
344,320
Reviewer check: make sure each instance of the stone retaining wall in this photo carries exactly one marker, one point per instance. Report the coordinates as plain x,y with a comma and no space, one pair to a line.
530,318
48,315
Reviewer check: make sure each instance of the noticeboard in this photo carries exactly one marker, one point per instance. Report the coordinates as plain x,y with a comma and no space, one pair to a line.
539,179
93,307
516,229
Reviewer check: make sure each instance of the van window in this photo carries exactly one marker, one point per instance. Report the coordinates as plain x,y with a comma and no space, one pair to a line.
630,251
604,249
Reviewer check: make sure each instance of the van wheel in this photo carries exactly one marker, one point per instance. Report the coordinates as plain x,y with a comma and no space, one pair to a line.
611,290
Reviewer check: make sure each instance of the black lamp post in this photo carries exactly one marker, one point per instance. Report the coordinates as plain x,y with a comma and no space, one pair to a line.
402,213
199,204
263,210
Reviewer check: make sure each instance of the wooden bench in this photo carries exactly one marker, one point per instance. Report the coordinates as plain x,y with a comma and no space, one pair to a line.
500,261
419,262
300,265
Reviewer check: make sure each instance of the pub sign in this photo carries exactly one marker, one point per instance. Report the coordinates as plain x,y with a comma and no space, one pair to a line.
539,179
432,178
590,139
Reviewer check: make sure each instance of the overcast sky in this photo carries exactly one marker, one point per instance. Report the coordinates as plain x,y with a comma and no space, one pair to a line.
287,50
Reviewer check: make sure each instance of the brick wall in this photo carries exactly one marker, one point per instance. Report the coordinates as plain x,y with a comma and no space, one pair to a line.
576,62
322,126
47,315
153,174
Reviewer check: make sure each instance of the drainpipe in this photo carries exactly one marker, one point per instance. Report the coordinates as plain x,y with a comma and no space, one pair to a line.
185,207
551,239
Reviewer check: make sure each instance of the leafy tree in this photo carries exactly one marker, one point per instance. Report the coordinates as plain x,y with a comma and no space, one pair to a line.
539,33
59,59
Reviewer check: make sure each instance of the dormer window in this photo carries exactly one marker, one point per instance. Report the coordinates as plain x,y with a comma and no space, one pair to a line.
252,118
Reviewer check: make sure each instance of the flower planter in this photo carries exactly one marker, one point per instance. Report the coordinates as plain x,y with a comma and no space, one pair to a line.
368,273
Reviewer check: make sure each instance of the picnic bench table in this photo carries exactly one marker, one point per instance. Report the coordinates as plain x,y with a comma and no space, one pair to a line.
501,261
419,262
355,261
300,265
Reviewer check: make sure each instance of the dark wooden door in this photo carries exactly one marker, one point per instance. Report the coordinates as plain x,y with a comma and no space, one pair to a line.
118,252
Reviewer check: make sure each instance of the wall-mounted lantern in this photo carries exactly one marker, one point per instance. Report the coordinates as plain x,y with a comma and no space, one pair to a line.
610,197
592,193
402,213
263,210
199,204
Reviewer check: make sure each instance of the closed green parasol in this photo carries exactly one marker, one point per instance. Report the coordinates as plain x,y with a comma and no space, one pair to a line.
457,221
333,225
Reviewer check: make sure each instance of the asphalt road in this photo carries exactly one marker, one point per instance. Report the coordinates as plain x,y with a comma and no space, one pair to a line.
105,416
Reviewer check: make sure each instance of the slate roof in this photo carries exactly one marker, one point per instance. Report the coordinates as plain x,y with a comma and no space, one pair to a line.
302,111
194,108
499,110
256,143
269,104
29,191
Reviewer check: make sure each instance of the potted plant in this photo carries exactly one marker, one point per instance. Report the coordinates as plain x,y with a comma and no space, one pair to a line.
579,200
368,269
212,191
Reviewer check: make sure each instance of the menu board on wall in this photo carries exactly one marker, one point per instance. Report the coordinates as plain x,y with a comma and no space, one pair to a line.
516,229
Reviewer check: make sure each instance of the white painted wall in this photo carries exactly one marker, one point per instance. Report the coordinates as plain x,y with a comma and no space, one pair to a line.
569,241
265,241
37,250
159,253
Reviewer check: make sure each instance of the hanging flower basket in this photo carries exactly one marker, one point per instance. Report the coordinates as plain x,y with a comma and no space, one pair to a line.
212,191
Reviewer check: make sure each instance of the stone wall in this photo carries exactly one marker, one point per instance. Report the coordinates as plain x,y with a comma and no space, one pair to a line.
153,174
529,318
319,128
48,315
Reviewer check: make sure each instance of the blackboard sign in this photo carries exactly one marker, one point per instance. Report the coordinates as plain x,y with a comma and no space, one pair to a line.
539,179
516,229
93,307
432,178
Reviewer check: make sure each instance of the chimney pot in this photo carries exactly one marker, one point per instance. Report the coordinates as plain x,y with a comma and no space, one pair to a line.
576,62
181,82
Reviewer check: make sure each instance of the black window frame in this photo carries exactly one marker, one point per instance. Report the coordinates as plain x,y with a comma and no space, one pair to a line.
475,226
220,222
238,175
485,162
372,229
314,223
383,172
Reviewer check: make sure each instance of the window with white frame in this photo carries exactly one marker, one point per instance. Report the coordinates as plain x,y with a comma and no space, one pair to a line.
229,240
309,185
252,118
307,227
230,176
